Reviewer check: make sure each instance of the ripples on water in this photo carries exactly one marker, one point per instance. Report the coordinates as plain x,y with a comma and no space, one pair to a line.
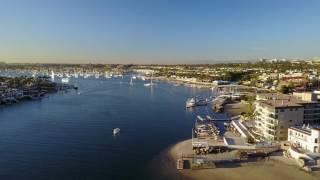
69,136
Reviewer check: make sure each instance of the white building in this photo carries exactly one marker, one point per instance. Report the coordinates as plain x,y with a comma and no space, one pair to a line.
275,113
306,138
273,118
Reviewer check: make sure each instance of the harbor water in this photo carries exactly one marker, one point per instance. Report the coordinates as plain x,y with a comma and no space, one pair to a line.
68,135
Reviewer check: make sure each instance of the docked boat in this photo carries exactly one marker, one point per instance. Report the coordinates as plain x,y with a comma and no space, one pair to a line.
151,83
52,76
200,118
65,80
209,117
191,102
196,101
107,76
116,131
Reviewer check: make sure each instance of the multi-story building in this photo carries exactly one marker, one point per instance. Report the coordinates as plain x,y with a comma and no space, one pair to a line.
275,113
305,137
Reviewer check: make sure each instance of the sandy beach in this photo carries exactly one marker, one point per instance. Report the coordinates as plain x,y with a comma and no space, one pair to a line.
271,169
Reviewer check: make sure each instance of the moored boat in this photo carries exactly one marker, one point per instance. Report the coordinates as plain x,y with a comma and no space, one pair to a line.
116,131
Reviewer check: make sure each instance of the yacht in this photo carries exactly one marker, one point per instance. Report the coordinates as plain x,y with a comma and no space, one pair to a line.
191,102
196,101
134,77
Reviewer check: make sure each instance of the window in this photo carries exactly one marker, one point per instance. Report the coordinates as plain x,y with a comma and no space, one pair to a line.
316,140
290,121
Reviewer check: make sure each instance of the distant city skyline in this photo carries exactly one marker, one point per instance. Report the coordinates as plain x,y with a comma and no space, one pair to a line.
158,31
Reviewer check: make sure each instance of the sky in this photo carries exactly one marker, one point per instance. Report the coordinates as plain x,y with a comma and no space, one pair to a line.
157,31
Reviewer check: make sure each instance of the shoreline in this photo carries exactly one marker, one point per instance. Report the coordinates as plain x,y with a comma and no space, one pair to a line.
275,168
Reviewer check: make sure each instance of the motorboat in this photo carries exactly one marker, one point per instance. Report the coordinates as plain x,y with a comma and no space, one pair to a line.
116,131
200,118
191,102
196,101
65,80
209,117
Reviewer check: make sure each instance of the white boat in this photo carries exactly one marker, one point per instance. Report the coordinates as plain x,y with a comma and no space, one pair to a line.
52,76
107,75
209,117
196,101
151,83
85,76
116,131
200,118
134,77
65,80
191,102
131,83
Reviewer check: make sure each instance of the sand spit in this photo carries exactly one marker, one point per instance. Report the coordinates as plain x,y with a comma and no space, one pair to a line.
165,167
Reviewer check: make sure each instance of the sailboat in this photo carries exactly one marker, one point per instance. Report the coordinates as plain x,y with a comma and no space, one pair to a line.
151,83
131,83
52,76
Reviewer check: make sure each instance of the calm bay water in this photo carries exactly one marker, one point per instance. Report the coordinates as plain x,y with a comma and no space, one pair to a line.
69,135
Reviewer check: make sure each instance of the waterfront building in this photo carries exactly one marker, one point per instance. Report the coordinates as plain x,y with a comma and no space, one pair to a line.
305,137
275,113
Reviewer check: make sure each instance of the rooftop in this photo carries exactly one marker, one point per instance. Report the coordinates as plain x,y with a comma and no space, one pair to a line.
305,129
282,100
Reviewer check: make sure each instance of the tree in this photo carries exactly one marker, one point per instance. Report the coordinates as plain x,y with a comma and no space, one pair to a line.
284,89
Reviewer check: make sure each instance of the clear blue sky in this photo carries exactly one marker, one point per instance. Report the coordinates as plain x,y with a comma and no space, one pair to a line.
157,31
